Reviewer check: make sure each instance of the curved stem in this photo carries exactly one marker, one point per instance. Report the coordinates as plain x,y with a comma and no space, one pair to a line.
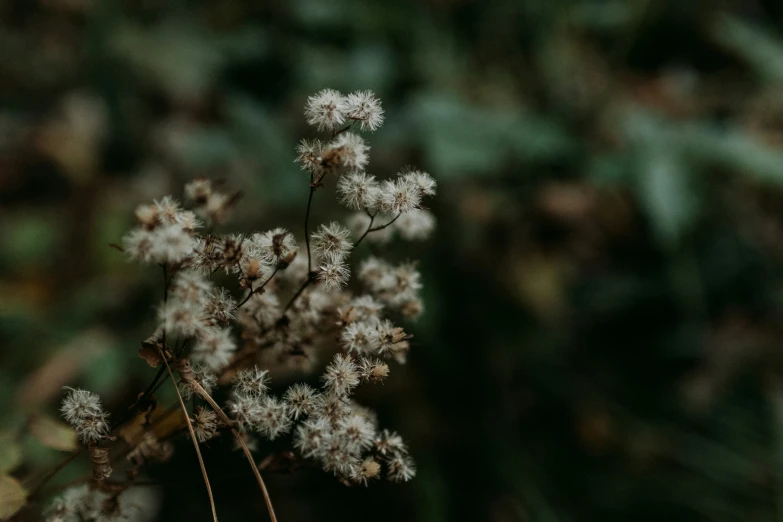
381,227
252,291
207,397
192,435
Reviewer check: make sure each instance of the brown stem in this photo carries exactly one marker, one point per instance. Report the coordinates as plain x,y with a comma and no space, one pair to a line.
370,229
252,291
201,391
192,436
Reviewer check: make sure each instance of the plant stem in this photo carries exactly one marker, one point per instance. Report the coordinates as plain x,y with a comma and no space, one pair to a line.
252,291
370,229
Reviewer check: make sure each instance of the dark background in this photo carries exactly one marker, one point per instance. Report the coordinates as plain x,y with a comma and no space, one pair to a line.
603,294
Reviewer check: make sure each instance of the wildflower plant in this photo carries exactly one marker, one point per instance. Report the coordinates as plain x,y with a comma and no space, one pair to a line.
285,302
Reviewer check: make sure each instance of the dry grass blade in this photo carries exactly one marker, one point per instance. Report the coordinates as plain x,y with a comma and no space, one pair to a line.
192,436
201,391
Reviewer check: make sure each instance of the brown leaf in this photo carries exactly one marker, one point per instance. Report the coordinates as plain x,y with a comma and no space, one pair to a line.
149,353
13,497
53,433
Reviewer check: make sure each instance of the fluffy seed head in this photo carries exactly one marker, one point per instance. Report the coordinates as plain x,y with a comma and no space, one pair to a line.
348,150
325,109
360,337
301,399
214,348
333,273
341,376
331,240
398,196
82,409
205,424
421,180
251,382
358,191
415,225
364,107
273,419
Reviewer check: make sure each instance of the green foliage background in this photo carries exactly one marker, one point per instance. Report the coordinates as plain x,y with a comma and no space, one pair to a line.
602,337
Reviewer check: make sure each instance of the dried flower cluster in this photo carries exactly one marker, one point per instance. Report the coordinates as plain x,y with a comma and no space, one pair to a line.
287,306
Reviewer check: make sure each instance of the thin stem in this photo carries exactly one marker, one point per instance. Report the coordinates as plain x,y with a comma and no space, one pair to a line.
369,226
310,279
306,225
381,227
252,291
201,391
192,436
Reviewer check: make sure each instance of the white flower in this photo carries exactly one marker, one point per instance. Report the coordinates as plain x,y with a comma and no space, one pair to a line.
349,151
308,155
183,318
357,433
301,399
364,107
312,436
82,409
167,208
273,247
423,181
214,348
358,191
171,244
245,410
325,109
138,244
189,285
205,424
273,419
331,242
366,307
400,195
333,273
220,306
360,337
415,225
198,190
251,382
401,468
390,443
341,376
261,311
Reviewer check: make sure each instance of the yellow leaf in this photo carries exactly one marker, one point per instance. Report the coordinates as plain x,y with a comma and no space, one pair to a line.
53,433
13,497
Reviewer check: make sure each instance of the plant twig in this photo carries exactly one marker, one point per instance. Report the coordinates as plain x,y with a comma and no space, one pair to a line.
192,436
201,391
370,229
252,290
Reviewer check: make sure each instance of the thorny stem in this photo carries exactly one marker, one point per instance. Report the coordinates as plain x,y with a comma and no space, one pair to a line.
252,290
370,229
192,435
